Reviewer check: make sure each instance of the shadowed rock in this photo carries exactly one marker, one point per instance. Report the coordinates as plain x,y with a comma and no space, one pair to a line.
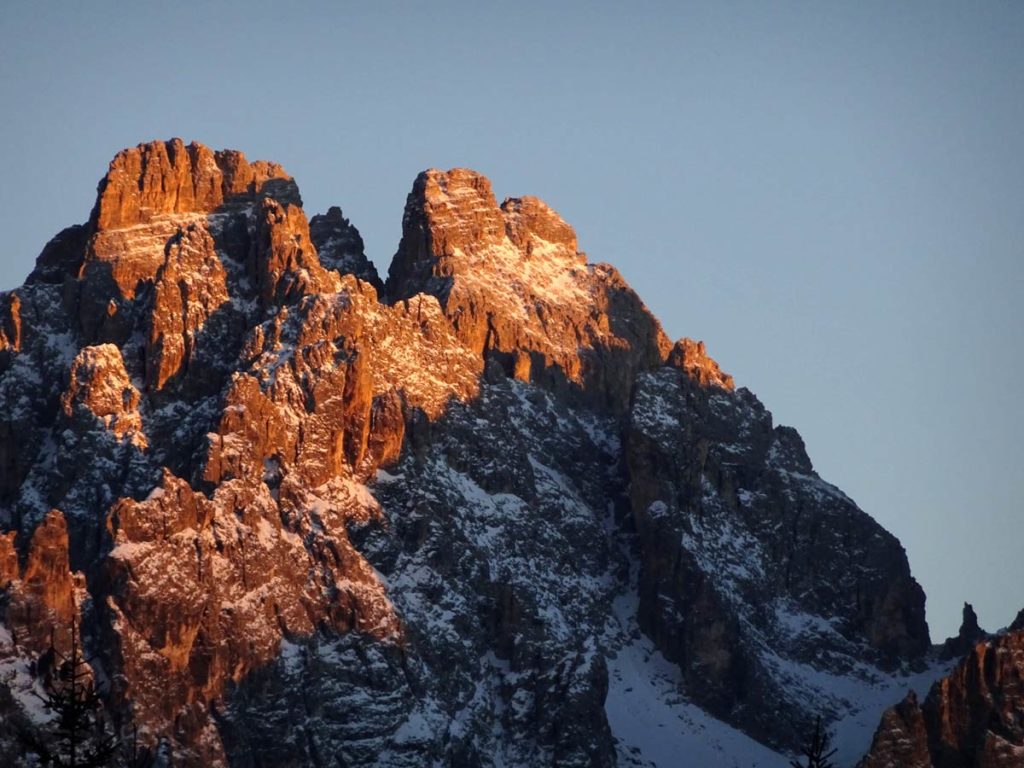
341,247
970,634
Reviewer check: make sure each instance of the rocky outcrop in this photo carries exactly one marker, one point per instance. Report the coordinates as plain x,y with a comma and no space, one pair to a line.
189,287
41,593
100,387
286,265
202,591
10,323
691,357
341,247
517,291
404,524
61,258
163,209
328,382
902,738
974,717
1018,622
970,634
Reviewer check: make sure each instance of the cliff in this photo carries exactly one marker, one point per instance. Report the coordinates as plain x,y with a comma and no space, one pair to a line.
310,515
970,718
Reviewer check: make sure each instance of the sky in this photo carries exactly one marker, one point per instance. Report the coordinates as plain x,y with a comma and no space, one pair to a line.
830,195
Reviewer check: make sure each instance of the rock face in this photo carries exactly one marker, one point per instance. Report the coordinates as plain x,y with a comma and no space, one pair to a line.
100,388
1018,622
169,177
691,357
970,634
974,717
742,545
307,518
341,247
42,592
517,291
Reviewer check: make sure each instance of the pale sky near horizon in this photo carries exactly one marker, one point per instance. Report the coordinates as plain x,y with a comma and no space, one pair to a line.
831,196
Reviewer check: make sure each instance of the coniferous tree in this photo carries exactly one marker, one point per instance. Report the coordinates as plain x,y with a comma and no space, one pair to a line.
817,752
80,736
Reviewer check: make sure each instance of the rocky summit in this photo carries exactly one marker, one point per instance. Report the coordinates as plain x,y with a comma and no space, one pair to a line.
482,512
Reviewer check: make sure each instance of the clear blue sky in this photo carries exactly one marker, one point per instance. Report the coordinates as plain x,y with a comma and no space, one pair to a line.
832,196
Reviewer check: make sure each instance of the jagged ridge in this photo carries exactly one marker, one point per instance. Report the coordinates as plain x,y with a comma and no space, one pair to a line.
233,381
973,717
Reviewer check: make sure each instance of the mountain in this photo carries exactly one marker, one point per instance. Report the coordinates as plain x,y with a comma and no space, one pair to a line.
973,717
483,512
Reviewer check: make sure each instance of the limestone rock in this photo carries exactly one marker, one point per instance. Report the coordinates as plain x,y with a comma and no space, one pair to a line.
306,518
187,289
10,322
42,595
61,258
1018,622
285,264
164,177
969,635
100,385
973,717
341,247
741,541
204,590
902,738
529,302
691,357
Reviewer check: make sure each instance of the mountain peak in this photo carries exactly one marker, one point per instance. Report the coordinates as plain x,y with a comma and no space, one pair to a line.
516,289
495,482
341,246
161,177
970,634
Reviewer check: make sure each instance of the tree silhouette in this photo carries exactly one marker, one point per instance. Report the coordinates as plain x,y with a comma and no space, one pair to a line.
81,736
816,751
